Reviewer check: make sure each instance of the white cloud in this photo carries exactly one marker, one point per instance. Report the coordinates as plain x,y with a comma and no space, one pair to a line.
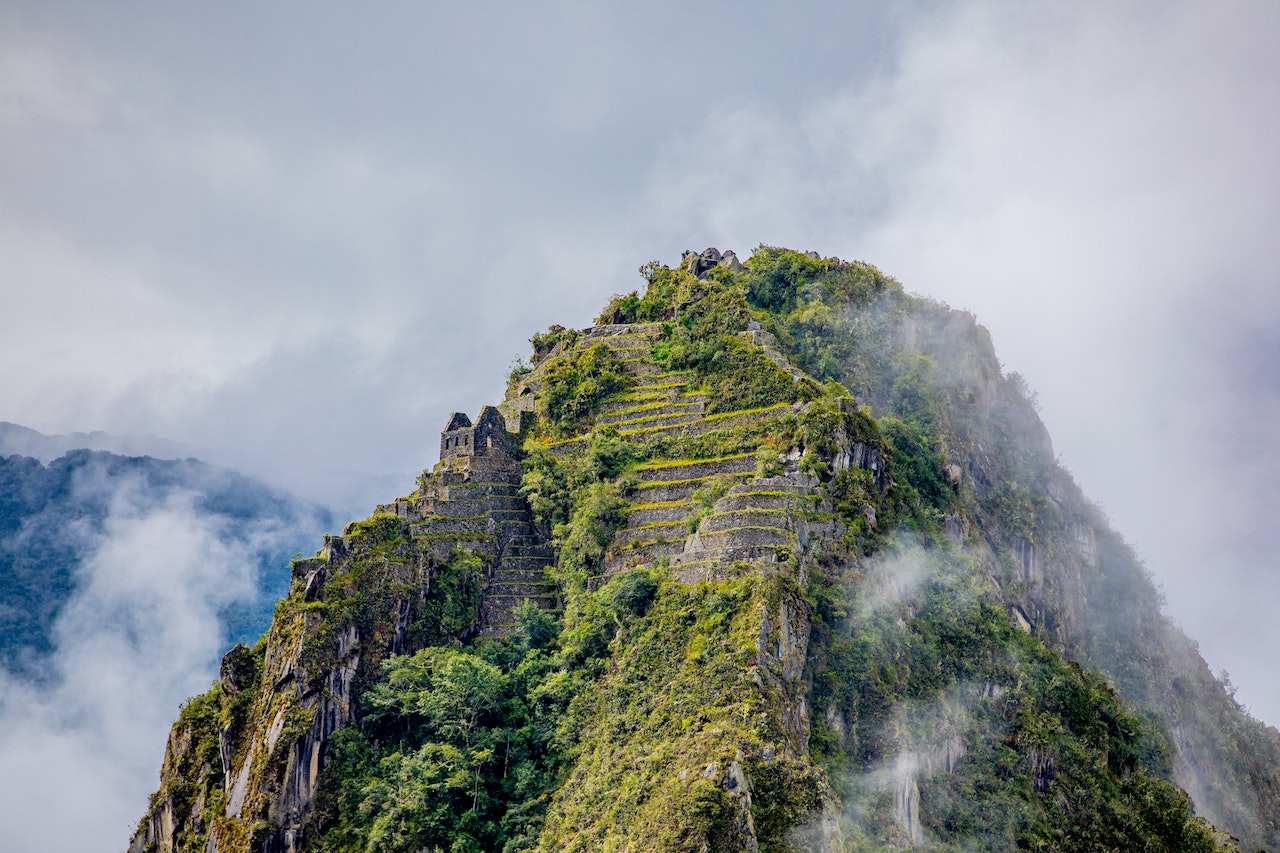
80,752
303,250
1097,187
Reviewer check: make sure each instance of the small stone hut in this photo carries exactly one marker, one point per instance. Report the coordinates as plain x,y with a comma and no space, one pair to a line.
486,437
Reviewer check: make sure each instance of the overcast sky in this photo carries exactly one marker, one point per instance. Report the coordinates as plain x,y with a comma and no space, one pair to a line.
296,240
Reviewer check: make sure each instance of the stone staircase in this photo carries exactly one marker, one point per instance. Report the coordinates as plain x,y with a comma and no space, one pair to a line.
520,575
478,506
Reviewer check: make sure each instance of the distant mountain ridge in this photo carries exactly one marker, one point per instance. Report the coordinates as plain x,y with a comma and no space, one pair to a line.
53,517
24,441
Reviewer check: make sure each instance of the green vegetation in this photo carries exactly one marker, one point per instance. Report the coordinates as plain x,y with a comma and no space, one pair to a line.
1020,748
704,318
576,384
457,752
862,682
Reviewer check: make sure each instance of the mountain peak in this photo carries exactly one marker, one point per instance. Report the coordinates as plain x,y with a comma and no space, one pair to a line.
774,556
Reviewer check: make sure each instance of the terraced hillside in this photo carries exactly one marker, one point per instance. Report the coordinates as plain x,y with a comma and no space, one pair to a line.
675,592
473,503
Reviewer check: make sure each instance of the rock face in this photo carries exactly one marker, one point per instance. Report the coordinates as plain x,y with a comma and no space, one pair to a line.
701,263
704,713
288,697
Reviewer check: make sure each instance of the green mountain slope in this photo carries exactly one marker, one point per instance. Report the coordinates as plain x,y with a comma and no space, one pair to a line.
771,558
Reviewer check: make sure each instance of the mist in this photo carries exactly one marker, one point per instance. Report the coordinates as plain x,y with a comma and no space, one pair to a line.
81,744
296,246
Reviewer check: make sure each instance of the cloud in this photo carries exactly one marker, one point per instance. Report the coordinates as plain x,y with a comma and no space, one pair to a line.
302,250
80,750
1097,189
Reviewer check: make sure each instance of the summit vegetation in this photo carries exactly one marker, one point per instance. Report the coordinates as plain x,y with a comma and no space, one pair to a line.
773,557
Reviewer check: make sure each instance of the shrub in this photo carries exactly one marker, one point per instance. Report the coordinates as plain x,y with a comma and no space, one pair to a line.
576,384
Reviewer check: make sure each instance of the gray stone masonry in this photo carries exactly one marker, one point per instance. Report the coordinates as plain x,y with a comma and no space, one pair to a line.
654,396
674,490
751,523
655,514
720,521
647,329
705,425
487,437
674,379
640,555
481,505
696,468
644,422
652,409
651,532
472,500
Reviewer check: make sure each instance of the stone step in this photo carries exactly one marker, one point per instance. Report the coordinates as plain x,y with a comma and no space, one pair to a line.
800,484
778,518
647,422
623,339
508,603
642,370
695,566
441,545
439,524
524,548
674,379
637,349
633,399
525,564
533,588
647,329
649,409
771,499
706,424
651,532
503,574
664,491
471,491
661,512
748,537
512,527
501,504
462,478
694,468
657,396
642,555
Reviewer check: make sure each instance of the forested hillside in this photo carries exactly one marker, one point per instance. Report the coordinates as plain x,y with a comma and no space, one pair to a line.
773,557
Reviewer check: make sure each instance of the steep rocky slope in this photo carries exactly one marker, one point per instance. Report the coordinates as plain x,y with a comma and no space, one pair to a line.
770,558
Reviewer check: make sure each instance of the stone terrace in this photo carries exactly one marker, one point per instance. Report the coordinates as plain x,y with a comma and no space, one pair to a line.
476,504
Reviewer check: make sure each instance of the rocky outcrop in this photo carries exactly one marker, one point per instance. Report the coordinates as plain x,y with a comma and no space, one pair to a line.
701,263
692,719
263,767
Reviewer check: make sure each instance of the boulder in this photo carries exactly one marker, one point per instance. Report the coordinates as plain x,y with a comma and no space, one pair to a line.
237,668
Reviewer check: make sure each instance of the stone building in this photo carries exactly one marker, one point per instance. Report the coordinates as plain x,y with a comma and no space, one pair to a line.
488,436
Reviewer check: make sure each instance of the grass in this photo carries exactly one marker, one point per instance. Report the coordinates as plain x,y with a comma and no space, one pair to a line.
677,463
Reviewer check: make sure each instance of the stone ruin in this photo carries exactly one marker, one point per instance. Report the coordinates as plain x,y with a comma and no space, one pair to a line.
487,437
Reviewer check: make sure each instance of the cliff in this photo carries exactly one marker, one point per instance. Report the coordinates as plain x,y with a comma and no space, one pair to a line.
772,557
